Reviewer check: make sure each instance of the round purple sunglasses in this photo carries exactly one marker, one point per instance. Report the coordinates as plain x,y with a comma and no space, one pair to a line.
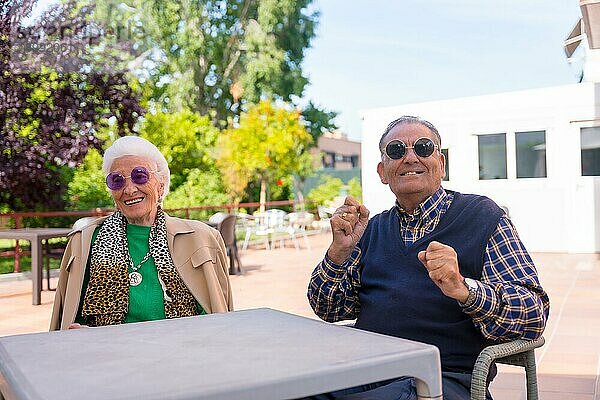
139,176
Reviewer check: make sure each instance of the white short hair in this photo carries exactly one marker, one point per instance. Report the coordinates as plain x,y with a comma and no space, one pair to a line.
137,146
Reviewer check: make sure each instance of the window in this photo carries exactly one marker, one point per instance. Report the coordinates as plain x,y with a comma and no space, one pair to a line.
492,156
328,159
531,154
590,151
445,153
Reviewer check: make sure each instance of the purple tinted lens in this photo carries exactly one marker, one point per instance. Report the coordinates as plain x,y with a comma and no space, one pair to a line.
140,175
115,181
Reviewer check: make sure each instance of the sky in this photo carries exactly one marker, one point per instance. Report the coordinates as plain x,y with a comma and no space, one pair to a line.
380,53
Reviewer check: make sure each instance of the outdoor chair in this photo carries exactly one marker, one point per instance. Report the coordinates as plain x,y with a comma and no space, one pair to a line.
325,214
269,224
289,226
57,253
517,352
297,224
255,225
51,252
276,221
225,224
275,225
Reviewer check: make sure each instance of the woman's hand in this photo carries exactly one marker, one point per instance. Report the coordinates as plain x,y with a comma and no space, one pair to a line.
75,325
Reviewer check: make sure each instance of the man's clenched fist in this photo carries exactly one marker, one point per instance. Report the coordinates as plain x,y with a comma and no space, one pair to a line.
442,264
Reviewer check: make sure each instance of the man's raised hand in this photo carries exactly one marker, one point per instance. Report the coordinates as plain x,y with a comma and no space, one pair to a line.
347,225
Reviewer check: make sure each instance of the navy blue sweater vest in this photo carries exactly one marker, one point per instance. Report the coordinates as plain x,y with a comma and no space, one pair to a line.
397,297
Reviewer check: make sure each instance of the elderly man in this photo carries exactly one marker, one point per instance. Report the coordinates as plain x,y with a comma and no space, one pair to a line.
440,267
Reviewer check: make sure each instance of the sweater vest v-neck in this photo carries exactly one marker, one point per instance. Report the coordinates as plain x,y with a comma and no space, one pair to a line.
398,298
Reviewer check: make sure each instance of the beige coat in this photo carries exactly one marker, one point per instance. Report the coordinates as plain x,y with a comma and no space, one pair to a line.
198,252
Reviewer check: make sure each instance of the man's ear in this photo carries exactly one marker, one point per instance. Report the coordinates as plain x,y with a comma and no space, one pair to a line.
443,161
380,172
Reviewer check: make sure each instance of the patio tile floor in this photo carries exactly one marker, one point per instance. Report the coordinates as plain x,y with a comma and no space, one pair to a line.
568,364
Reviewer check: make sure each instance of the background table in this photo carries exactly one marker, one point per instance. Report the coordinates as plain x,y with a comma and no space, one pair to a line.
35,237
257,354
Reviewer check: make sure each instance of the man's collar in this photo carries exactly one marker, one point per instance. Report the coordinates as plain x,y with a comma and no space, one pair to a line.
429,207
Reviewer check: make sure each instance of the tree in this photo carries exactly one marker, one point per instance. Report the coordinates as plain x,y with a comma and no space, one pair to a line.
318,120
269,143
214,57
186,139
49,116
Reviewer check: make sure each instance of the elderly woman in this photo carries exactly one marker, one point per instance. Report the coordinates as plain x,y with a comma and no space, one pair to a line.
140,264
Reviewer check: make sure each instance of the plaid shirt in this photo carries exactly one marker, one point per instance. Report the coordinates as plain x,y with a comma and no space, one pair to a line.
510,302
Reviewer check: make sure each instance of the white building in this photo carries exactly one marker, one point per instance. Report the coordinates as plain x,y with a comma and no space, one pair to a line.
535,152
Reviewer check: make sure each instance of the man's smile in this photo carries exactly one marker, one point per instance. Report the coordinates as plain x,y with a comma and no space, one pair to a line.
408,173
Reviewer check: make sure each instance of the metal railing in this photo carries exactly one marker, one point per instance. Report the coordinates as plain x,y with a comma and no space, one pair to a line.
18,217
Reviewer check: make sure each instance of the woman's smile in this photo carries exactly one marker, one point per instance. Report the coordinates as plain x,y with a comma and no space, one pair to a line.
134,201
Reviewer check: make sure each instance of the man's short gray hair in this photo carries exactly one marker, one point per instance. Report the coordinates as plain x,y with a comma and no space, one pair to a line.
409,119
137,146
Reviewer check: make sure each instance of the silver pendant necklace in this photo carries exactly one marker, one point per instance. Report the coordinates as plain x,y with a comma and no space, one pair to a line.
135,278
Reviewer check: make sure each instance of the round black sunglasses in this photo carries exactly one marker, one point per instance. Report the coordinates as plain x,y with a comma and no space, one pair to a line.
423,147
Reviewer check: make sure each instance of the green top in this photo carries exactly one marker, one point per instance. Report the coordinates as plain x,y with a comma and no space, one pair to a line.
146,302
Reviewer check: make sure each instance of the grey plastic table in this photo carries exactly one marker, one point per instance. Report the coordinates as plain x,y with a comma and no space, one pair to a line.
35,237
259,354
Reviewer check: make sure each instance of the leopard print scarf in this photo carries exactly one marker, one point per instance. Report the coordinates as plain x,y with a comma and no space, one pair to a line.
106,298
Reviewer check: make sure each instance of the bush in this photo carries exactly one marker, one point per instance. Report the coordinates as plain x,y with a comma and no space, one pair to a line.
87,190
200,188
328,188
354,189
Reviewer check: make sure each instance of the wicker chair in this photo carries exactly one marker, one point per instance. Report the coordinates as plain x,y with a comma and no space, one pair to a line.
518,352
